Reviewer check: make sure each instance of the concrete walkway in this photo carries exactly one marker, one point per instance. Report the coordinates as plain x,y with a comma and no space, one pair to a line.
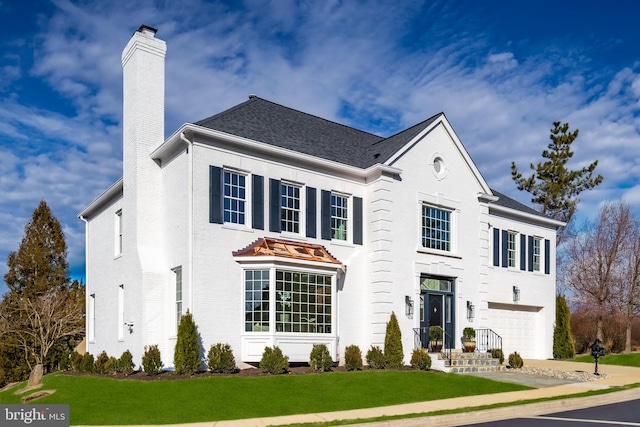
617,376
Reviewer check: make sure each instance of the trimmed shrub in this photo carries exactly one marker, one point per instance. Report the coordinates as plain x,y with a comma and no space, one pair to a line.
86,364
420,359
320,359
515,360
151,360
375,358
64,361
100,365
125,363
563,343
497,353
220,359
111,367
273,361
76,361
469,334
353,358
186,355
393,354
435,334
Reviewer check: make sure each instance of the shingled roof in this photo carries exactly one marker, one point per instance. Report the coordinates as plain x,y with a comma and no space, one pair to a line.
271,123
508,202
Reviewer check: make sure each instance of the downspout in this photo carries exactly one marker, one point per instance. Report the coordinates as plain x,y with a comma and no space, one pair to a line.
86,284
190,215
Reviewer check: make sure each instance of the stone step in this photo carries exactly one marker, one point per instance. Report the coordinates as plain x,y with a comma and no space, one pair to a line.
471,369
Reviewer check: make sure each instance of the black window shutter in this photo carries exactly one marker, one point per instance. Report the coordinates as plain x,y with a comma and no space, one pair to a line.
547,256
523,252
257,202
325,215
505,247
357,220
496,247
274,205
311,212
530,253
215,195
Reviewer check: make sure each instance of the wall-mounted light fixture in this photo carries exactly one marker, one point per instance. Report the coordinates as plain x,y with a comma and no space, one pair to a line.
130,326
516,294
408,306
471,310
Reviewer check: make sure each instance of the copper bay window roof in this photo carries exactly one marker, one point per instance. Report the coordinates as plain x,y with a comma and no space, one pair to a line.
287,249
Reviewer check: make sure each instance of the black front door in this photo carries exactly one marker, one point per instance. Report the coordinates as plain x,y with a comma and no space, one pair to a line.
435,310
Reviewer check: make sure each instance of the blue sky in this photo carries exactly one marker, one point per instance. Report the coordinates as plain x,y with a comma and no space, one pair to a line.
501,71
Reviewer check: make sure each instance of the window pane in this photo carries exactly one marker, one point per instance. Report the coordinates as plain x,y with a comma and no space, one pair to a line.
290,208
256,300
436,228
299,300
234,197
339,214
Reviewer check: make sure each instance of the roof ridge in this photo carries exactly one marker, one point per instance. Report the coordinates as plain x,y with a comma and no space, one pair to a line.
317,117
409,128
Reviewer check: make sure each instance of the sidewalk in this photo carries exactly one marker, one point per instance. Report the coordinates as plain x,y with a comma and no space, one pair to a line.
617,376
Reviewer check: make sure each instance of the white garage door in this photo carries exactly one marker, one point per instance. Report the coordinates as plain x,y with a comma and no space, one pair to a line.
519,327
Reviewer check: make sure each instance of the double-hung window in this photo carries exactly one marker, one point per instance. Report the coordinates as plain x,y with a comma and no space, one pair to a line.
235,200
436,228
339,215
536,253
511,249
256,300
289,207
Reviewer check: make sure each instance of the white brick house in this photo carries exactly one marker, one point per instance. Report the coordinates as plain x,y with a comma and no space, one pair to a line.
275,227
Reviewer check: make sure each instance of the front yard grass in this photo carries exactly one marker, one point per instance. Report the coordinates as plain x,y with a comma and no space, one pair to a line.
106,401
630,359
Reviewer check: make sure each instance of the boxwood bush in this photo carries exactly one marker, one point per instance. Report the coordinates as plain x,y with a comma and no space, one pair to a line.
320,359
515,360
375,358
273,361
420,359
220,359
125,363
352,358
151,360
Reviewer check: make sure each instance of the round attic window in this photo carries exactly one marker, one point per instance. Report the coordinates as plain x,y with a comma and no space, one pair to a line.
438,165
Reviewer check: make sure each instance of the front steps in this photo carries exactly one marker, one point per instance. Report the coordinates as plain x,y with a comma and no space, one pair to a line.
465,362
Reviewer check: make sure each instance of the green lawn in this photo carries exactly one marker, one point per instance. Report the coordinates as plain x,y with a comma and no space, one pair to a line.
631,359
99,400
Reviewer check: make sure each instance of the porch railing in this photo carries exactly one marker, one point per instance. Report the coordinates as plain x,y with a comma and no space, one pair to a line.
487,339
421,340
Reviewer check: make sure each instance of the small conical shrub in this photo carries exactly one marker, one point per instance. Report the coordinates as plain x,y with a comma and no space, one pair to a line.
353,358
186,355
393,354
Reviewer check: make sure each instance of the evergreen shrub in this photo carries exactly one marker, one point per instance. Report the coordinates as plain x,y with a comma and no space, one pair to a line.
497,353
86,363
125,363
75,359
100,363
515,360
151,360
564,346
220,359
273,361
320,359
186,356
64,361
420,359
375,358
111,367
393,354
353,358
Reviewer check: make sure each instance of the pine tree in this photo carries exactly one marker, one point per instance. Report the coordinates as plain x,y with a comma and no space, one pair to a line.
186,355
393,354
563,343
40,263
555,188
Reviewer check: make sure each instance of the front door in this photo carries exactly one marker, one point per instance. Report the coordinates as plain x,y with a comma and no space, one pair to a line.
437,309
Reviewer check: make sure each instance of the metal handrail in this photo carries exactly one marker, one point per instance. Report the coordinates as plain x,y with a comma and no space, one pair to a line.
487,339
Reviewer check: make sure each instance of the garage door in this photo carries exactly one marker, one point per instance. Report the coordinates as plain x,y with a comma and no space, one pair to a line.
520,329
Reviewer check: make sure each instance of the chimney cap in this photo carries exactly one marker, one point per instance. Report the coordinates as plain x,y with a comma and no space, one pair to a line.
145,28
253,95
